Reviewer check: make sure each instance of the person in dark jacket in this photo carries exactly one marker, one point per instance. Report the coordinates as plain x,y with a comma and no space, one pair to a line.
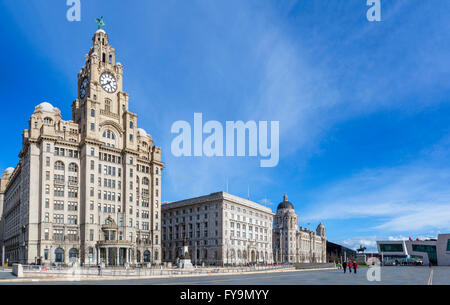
344,266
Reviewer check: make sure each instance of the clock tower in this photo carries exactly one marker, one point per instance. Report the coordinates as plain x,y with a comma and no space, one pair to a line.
117,159
100,91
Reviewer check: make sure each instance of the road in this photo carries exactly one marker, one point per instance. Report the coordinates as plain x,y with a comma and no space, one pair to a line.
389,276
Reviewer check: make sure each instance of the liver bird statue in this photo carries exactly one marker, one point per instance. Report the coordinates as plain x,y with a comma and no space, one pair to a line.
100,23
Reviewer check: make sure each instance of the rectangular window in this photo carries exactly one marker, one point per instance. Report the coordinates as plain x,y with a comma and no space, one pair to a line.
391,247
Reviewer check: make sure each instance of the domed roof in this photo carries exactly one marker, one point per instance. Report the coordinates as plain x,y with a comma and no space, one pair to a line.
45,107
141,132
9,170
285,204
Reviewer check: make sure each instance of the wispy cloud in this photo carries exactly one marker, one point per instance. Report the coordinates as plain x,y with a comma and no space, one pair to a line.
370,242
410,198
266,202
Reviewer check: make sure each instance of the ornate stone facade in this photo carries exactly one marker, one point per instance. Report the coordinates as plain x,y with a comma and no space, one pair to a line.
89,189
293,244
221,229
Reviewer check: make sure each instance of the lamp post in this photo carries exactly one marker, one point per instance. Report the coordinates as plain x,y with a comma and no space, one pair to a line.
51,255
3,257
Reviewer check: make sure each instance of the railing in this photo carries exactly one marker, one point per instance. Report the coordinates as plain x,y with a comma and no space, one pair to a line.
109,113
73,183
63,271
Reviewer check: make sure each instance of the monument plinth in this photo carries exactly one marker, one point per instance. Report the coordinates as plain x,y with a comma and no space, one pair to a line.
185,258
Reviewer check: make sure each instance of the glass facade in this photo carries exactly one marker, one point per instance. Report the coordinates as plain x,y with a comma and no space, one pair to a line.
430,250
448,245
391,247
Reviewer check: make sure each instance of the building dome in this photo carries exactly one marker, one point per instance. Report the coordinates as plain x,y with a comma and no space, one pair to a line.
285,204
141,132
320,230
9,170
47,107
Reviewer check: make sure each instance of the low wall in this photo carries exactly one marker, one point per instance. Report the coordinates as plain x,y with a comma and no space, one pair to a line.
40,272
315,266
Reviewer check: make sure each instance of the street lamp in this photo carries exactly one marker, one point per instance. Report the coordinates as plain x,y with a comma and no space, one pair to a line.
51,255
3,257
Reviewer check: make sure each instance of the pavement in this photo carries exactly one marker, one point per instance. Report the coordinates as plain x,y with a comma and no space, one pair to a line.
6,274
389,276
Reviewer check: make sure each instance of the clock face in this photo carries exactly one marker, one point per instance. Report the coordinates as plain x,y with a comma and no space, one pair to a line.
108,82
83,87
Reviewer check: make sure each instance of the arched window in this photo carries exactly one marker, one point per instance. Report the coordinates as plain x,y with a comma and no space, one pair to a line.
59,255
93,113
48,121
109,134
73,255
145,181
59,165
146,256
73,168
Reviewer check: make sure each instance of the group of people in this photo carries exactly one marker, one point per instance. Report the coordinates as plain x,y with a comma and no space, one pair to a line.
352,265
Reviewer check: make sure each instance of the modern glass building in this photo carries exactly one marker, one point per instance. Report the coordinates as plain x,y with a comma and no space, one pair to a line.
434,251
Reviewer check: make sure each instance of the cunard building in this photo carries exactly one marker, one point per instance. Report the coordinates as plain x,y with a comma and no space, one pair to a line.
89,189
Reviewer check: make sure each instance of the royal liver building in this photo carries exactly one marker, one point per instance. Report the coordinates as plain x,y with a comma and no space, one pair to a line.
89,189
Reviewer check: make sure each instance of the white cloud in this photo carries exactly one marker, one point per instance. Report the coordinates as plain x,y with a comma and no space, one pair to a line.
409,198
266,202
370,242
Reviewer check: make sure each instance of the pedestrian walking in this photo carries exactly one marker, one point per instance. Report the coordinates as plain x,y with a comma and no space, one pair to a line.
350,266
99,267
355,266
344,266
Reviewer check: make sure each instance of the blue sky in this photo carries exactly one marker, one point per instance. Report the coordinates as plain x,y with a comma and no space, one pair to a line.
363,107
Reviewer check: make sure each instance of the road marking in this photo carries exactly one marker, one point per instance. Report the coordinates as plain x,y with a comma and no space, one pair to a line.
430,280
